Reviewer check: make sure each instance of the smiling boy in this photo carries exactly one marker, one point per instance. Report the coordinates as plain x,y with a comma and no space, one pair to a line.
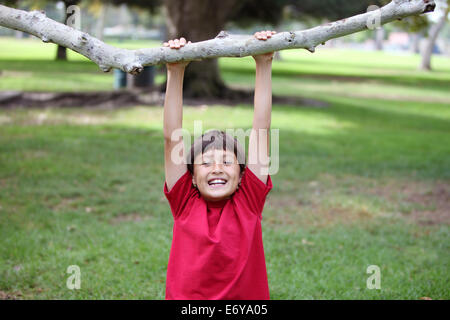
217,199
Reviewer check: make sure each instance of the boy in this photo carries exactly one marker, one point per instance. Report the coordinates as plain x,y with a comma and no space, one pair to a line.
216,200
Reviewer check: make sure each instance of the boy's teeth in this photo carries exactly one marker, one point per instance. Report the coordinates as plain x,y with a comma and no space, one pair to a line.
217,181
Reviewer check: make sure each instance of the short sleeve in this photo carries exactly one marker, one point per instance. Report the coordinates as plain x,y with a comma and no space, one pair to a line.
180,194
253,191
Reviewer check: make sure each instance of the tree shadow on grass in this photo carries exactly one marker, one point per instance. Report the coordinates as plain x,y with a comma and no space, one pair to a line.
411,80
125,98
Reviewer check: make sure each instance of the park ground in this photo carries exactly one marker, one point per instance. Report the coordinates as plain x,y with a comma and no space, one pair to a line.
364,179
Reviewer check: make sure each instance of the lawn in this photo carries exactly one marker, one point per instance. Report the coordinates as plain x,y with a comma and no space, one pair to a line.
363,181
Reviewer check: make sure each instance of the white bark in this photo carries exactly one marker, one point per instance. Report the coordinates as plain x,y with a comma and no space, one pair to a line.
431,41
100,26
415,42
379,38
224,45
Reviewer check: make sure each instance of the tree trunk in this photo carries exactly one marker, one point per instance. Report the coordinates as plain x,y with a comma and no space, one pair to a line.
415,42
18,34
100,26
198,20
431,41
277,56
379,38
61,52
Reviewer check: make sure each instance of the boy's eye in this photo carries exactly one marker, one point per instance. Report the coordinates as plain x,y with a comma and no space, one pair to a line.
228,160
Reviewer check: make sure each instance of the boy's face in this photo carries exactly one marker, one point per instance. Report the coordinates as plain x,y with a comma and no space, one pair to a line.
216,174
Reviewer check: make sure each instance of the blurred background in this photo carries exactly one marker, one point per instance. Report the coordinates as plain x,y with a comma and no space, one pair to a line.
364,150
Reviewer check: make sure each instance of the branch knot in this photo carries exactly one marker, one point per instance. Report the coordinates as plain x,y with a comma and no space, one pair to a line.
84,38
134,68
222,34
430,6
105,68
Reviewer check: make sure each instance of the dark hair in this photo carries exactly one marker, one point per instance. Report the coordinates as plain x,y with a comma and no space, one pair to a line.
215,140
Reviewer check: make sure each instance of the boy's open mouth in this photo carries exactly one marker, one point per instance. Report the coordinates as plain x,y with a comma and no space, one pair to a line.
217,182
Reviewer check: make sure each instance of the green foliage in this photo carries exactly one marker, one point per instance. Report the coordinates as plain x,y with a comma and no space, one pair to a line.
151,5
273,12
414,24
259,11
330,9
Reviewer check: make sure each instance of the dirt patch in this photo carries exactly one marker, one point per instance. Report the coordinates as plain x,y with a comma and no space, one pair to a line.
125,98
129,217
67,204
331,200
426,203
5,183
323,202
435,203
290,214
248,99
10,296
107,99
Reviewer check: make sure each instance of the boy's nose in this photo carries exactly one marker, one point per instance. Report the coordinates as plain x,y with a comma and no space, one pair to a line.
217,167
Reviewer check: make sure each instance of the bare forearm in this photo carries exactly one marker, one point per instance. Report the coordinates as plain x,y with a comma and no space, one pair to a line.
173,102
263,95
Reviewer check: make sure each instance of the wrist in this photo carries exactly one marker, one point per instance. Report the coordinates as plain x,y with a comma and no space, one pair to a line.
175,72
264,68
175,69
264,64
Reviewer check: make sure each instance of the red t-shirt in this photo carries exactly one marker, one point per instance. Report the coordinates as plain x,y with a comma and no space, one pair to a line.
217,250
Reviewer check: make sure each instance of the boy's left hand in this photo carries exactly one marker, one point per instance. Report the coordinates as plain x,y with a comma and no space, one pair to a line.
177,44
264,35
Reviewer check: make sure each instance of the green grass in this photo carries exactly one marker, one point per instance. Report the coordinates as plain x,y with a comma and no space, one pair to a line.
361,182
29,65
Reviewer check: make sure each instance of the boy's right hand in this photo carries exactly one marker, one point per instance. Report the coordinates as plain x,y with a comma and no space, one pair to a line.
176,44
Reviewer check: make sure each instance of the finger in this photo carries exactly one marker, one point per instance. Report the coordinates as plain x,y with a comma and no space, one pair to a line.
172,44
182,41
189,42
166,44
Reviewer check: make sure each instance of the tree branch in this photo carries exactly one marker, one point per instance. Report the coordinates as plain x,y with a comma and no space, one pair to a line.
224,45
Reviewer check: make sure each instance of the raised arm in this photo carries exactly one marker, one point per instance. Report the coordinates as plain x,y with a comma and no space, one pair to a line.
173,118
258,150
